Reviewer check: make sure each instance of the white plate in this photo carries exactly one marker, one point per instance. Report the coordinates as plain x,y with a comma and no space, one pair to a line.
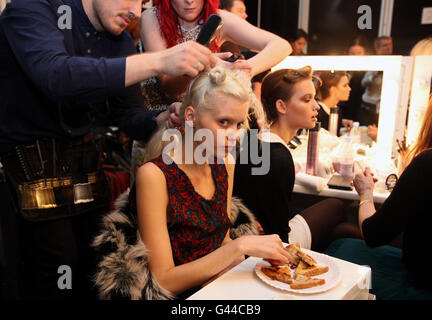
332,277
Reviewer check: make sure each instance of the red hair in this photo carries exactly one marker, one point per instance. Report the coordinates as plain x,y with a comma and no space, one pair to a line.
169,24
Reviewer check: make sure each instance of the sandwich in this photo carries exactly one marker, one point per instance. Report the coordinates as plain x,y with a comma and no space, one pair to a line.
305,266
280,274
297,255
304,282
306,270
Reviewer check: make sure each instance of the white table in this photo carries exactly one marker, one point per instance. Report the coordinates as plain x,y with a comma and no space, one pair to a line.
341,194
241,283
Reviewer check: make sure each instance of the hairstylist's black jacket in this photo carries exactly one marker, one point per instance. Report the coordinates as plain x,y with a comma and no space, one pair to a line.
42,65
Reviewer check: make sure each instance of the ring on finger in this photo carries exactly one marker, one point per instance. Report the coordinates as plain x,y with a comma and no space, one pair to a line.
198,66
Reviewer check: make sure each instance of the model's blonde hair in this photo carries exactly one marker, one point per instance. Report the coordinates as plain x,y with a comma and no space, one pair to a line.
424,140
201,93
422,48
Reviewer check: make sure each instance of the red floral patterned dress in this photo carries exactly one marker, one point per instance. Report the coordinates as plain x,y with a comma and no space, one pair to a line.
198,225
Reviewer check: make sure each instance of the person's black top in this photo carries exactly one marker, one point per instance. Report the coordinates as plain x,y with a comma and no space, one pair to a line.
268,196
351,108
408,210
39,67
323,117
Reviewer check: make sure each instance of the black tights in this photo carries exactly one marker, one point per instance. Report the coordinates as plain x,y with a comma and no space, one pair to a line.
327,222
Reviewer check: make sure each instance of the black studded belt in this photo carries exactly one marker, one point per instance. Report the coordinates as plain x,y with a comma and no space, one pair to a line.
49,176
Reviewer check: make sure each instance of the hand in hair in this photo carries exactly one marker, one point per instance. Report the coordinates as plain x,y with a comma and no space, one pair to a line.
169,118
240,64
222,56
174,115
184,58
243,65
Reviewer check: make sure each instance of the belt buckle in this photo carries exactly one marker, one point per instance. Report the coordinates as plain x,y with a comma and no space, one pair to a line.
82,193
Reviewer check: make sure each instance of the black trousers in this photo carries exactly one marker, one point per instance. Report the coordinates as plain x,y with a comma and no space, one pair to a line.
33,252
49,245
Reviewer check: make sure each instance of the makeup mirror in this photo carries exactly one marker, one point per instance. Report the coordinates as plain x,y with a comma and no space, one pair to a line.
395,88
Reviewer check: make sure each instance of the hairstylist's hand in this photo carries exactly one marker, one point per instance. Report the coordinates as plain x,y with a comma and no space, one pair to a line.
243,65
188,58
171,117
174,115
267,247
364,182
222,56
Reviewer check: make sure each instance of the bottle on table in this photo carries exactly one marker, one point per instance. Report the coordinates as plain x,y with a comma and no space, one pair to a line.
355,133
312,159
334,121
346,158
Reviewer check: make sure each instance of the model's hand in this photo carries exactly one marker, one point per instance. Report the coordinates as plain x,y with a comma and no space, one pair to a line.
188,58
267,247
364,183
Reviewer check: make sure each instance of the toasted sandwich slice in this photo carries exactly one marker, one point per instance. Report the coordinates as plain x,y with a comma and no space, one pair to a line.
279,274
307,258
293,250
297,255
304,282
306,270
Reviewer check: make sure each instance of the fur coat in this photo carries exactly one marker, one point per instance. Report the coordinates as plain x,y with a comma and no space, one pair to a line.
123,270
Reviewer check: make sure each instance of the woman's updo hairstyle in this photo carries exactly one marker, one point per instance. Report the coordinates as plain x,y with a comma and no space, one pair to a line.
220,80
280,85
203,92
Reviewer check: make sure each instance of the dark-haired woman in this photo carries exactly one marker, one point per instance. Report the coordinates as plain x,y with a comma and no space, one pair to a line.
288,98
334,89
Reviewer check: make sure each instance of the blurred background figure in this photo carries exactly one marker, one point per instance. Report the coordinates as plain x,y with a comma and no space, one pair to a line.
358,47
384,45
372,82
371,98
298,42
237,7
134,27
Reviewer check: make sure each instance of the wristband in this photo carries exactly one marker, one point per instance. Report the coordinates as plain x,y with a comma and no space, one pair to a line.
363,202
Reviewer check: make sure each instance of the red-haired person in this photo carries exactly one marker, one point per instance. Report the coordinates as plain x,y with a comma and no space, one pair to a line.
170,22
